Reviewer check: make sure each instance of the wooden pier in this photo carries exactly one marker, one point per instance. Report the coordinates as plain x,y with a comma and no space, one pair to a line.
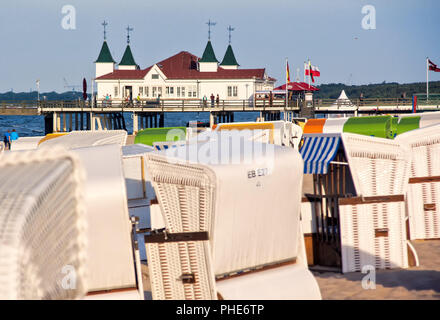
65,116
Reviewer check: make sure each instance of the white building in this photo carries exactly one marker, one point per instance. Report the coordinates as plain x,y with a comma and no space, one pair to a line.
182,76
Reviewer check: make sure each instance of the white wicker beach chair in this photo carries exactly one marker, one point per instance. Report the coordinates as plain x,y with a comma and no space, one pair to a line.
80,139
42,226
334,125
25,143
429,118
373,225
113,262
424,183
378,166
232,204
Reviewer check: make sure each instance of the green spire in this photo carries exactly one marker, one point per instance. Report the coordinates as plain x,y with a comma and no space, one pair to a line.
105,55
208,54
127,58
229,59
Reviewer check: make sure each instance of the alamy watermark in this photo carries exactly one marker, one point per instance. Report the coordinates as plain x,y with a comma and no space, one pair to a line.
68,22
227,147
369,20
69,281
369,281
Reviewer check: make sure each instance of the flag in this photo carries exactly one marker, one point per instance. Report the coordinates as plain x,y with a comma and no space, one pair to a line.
433,66
287,73
312,69
311,72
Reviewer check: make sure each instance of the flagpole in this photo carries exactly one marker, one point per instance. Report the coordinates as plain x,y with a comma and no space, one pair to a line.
427,79
287,83
310,71
304,71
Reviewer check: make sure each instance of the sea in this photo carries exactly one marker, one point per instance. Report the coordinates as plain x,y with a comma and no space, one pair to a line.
27,126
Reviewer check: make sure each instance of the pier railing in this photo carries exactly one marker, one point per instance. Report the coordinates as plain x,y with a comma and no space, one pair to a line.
173,105
200,105
375,102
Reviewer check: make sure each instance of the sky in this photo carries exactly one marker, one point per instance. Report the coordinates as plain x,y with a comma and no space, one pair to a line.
35,45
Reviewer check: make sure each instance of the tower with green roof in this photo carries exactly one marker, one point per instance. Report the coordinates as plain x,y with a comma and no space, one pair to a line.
229,61
127,61
208,62
105,63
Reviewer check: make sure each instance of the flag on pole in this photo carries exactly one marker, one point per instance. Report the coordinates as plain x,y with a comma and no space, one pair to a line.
313,70
433,66
287,72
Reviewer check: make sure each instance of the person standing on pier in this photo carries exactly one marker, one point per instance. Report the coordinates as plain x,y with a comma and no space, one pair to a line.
7,140
205,100
217,100
14,135
212,100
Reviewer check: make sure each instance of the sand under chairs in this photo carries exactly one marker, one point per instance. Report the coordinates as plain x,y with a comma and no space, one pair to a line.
113,263
424,182
42,226
232,223
79,139
359,187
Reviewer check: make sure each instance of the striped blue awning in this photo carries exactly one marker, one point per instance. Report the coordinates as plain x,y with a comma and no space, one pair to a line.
317,152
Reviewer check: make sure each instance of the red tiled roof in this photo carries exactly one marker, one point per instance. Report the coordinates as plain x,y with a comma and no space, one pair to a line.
125,74
297,86
184,66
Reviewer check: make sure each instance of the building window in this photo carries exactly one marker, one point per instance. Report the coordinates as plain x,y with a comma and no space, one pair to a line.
159,91
116,91
232,91
155,76
183,92
178,91
167,91
141,91
154,92
192,91
171,90
146,91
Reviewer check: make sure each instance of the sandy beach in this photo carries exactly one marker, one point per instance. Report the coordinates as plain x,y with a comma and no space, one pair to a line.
416,283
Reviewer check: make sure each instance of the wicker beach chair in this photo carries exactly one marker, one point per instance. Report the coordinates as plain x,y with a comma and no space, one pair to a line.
79,139
424,182
113,263
42,226
358,198
373,224
226,236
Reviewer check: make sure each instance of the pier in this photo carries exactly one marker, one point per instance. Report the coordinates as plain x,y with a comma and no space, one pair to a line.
65,116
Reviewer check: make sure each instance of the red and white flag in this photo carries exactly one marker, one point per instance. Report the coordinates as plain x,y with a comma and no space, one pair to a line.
433,66
312,70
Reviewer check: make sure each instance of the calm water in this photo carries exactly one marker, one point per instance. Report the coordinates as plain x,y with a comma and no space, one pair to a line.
34,125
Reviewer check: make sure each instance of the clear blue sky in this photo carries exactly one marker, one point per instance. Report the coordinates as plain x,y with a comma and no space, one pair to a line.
35,46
